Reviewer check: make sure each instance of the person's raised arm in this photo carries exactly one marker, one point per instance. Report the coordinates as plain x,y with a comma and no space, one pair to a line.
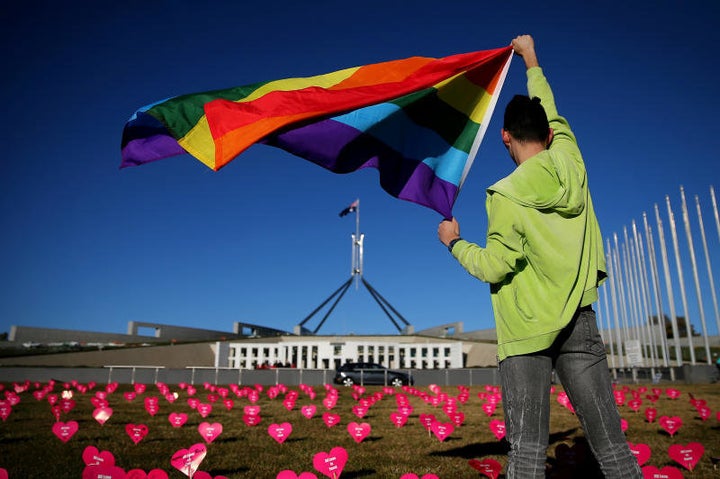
524,45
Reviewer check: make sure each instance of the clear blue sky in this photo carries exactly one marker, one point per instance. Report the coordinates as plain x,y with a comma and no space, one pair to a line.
87,246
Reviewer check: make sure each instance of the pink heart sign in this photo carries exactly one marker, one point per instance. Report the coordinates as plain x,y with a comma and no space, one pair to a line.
308,411
3,473
137,432
488,467
187,461
670,424
489,408
92,457
667,472
102,414
687,455
331,464
398,419
152,405
204,409
288,474
5,410
252,420
280,432
65,430
177,419
442,430
641,452
650,414
331,419
210,432
103,471
140,474
498,428
358,431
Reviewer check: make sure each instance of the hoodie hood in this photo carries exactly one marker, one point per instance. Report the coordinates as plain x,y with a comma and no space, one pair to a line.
546,181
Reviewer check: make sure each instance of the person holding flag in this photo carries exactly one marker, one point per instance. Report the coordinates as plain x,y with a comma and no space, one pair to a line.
544,261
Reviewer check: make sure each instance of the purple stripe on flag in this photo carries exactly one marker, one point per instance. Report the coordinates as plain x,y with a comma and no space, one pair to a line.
144,150
344,149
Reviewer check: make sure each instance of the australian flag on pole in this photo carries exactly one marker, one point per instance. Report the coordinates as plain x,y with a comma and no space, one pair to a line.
350,209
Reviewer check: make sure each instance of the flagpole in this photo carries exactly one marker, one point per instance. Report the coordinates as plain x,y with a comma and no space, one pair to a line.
707,264
657,290
696,277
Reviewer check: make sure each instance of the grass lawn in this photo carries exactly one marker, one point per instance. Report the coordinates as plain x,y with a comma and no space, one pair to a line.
30,449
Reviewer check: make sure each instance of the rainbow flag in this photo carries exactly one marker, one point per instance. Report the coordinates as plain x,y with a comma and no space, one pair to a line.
419,121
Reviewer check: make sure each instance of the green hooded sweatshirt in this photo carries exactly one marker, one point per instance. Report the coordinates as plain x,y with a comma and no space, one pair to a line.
543,256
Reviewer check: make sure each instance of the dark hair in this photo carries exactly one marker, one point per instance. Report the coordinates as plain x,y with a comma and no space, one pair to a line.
525,119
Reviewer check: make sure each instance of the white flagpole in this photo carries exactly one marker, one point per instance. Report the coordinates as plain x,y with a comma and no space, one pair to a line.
696,278
613,296
709,267
715,209
645,300
621,292
668,289
681,279
656,290
608,323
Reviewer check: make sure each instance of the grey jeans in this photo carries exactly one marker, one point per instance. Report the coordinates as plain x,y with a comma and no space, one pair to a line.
578,357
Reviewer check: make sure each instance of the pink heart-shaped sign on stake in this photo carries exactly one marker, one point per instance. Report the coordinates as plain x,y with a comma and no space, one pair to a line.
280,432
670,424
92,457
442,430
204,409
187,461
331,419
6,409
308,411
687,455
65,430
137,432
488,467
252,420
331,464
667,472
177,419
103,471
102,414
288,474
498,428
358,431
3,473
641,452
140,474
210,432
650,414
398,419
489,408
672,393
704,412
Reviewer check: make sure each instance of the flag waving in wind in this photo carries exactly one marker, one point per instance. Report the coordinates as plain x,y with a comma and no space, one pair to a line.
350,209
419,121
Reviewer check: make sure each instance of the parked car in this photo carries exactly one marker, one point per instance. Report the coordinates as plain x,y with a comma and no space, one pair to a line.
370,373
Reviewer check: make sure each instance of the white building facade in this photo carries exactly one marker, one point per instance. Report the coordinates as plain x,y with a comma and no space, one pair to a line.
329,352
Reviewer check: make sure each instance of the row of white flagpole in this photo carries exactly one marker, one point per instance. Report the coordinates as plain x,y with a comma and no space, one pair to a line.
639,288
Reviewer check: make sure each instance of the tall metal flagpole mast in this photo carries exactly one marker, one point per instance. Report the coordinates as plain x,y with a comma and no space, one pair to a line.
357,248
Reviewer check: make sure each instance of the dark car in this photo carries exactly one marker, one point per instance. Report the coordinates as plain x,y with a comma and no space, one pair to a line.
370,373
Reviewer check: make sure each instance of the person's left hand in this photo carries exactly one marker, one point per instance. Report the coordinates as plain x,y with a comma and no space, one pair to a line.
448,230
